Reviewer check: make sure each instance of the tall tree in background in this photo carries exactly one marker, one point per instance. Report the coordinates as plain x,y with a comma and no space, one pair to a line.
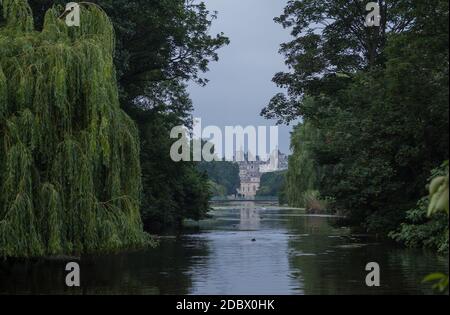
224,174
272,185
382,113
330,42
161,44
69,156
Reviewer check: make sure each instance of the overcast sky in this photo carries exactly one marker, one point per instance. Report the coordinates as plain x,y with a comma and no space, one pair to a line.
240,83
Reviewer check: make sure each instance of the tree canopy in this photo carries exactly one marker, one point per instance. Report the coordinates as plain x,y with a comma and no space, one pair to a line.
376,99
160,46
69,156
331,43
223,173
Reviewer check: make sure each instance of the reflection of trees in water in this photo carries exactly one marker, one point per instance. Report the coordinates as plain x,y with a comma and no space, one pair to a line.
311,234
338,263
32,277
310,225
164,270
416,264
309,242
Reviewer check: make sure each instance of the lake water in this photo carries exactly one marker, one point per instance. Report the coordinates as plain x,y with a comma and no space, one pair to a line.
245,248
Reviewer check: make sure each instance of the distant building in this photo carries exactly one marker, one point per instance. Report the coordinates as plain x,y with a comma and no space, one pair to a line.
275,163
283,162
250,179
251,170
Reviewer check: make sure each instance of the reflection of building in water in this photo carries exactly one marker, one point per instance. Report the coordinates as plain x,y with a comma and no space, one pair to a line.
250,218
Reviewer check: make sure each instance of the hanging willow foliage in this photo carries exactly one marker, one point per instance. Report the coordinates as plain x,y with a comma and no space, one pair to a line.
303,174
70,178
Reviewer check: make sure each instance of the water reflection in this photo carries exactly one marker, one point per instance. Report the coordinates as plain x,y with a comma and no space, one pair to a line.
247,249
164,270
249,217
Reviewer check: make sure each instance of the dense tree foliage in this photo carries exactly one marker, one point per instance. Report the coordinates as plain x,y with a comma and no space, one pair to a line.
69,156
173,191
330,42
272,184
376,99
224,174
157,41
161,44
303,175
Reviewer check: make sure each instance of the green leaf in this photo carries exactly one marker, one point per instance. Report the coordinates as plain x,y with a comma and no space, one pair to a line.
436,184
434,277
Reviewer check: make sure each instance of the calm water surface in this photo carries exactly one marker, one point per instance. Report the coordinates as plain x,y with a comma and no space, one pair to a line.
246,248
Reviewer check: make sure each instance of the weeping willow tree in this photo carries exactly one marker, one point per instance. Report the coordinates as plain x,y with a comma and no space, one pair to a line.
70,178
303,175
